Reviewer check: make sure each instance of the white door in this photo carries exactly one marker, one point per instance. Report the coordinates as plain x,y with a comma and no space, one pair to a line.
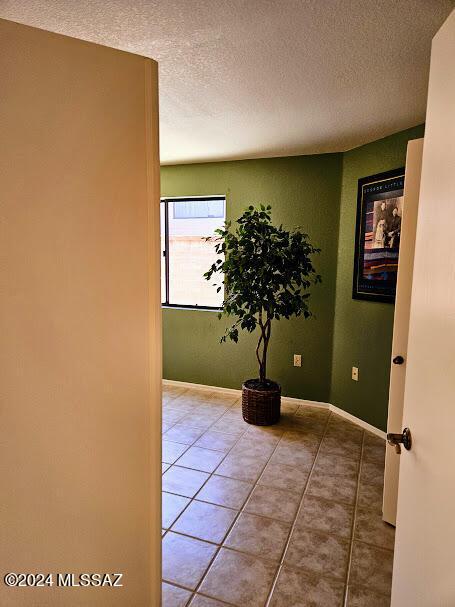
401,324
424,566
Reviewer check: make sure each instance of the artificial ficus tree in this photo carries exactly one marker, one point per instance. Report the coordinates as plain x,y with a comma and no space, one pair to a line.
267,272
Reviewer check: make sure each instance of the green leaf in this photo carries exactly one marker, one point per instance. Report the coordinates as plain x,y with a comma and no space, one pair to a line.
267,271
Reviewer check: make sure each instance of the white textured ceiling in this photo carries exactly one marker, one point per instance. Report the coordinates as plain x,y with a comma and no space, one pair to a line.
255,78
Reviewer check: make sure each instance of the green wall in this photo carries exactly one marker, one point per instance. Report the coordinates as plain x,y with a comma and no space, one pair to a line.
303,191
363,329
318,193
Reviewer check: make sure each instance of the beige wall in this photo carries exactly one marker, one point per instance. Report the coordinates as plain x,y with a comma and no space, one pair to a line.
79,301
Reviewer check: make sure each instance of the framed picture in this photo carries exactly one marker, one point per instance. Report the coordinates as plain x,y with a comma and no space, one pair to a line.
378,232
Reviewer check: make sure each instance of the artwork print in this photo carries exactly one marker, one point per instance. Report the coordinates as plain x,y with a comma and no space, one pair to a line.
378,234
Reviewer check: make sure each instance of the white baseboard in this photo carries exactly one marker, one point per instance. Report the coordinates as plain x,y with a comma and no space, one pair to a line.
358,421
187,384
285,399
301,401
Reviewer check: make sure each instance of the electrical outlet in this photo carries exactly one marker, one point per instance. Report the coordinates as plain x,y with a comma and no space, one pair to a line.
355,373
297,360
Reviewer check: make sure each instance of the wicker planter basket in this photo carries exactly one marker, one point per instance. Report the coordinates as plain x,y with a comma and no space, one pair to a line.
261,407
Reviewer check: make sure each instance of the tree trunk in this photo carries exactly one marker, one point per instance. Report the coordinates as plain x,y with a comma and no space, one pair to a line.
264,339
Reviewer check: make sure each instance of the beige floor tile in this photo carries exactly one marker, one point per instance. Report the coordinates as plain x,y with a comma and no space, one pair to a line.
325,516
233,414
239,579
211,410
274,430
184,407
172,416
203,601
236,427
243,467
169,395
304,437
309,424
289,407
172,507
371,529
172,596
181,433
180,404
313,412
259,536
172,451
371,567
167,398
334,488
214,412
185,559
319,553
205,521
288,422
225,491
284,477
195,397
341,421
263,436
228,426
374,448
370,496
298,456
168,406
183,481
313,415
234,419
334,465
372,473
342,447
274,503
255,448
218,441
220,398
171,391
198,419
345,434
302,589
198,458
373,441
209,427
364,597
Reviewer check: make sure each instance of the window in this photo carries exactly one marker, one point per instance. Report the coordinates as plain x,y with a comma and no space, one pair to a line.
185,222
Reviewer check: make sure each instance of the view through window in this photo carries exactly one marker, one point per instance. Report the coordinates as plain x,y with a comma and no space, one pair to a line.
185,222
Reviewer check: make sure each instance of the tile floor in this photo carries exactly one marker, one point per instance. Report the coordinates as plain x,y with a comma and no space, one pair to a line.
283,516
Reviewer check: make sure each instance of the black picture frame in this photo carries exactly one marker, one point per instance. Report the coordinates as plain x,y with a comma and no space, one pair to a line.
377,236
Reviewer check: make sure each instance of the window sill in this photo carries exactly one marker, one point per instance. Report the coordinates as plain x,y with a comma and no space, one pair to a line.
190,308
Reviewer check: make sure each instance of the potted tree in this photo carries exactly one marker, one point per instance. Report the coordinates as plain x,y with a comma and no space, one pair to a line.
267,272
